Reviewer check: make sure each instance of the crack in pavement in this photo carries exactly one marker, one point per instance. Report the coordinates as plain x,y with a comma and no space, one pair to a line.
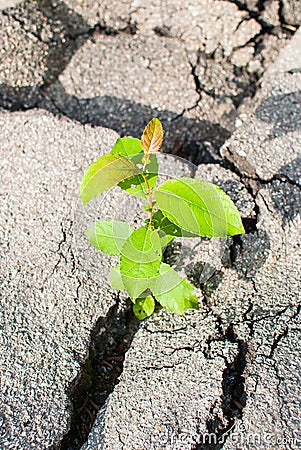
233,397
234,372
110,338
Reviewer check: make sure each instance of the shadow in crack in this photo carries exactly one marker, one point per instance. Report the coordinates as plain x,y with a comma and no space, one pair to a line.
203,275
233,399
63,32
292,171
196,140
248,253
283,111
210,286
60,31
110,339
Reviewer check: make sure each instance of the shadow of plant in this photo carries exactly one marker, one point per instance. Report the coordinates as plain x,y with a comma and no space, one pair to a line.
287,200
292,171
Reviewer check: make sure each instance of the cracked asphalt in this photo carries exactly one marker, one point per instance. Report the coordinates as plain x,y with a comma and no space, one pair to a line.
225,79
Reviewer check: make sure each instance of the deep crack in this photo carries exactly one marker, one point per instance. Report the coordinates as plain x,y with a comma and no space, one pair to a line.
107,348
233,397
277,340
253,14
110,339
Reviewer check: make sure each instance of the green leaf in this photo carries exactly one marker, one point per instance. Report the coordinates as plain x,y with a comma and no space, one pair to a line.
199,207
115,279
140,260
165,239
144,307
127,147
132,149
108,236
162,223
147,208
105,173
137,185
172,292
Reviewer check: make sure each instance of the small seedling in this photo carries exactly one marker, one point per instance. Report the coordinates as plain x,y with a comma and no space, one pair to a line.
186,207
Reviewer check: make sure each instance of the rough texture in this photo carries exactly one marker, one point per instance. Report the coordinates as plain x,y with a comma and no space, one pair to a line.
166,396
110,75
252,306
274,396
119,80
116,64
190,23
291,12
276,123
8,3
38,39
196,66
267,267
270,324
54,284
23,63
49,303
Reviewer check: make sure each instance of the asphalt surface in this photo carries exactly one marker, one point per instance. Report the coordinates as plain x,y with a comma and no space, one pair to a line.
45,285
211,72
246,333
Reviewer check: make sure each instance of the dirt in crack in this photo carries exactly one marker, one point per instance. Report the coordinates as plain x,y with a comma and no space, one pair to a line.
110,339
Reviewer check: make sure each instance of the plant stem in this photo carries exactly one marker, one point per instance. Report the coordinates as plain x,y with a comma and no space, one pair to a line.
146,161
150,199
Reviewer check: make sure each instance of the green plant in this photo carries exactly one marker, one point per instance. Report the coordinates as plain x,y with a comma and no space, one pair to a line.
186,207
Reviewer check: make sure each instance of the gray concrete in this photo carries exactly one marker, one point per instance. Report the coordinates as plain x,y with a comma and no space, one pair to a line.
49,301
116,64
9,3
171,385
292,12
255,296
23,63
271,328
159,390
54,284
269,264
274,128
190,50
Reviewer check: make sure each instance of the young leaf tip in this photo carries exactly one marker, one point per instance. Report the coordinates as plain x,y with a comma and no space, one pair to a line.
152,137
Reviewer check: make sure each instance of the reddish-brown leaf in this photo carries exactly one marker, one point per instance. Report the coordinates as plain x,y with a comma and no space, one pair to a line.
152,137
